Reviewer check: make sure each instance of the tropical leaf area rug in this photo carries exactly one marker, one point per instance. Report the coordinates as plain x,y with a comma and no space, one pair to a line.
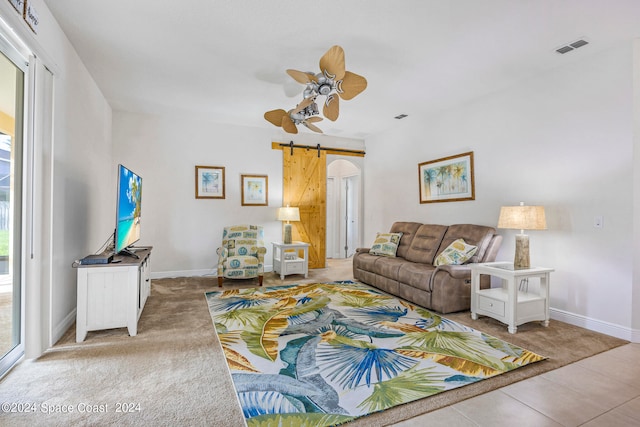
323,354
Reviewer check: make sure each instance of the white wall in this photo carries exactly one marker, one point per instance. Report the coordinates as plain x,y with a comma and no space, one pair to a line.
563,140
636,189
164,151
81,190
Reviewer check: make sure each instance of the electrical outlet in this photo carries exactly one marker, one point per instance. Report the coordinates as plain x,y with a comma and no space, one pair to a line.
598,221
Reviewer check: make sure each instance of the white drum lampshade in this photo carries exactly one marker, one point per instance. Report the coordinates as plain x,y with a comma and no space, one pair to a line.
522,218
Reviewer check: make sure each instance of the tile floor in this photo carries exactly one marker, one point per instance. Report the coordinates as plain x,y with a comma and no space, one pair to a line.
602,391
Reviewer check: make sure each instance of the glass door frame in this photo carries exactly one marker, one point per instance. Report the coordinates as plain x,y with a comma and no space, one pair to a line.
17,245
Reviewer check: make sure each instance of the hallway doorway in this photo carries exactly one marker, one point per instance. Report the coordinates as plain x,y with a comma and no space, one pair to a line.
344,204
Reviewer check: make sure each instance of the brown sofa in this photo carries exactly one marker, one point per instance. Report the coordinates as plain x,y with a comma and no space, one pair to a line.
411,274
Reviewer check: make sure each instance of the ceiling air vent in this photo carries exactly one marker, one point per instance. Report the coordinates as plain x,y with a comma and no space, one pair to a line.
578,44
400,116
572,46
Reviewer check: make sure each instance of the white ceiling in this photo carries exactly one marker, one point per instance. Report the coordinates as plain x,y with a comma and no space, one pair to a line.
227,58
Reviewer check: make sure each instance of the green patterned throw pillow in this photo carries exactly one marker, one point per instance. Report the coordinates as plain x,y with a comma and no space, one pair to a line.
386,244
456,253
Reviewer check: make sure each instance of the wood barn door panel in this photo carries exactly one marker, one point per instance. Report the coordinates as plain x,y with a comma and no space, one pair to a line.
305,186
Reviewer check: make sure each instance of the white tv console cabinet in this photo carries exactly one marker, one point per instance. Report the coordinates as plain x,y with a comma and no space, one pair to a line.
113,295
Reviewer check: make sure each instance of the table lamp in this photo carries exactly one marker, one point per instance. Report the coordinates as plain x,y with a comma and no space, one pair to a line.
522,218
288,214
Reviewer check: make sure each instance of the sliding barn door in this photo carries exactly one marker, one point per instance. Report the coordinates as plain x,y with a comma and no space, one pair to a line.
305,186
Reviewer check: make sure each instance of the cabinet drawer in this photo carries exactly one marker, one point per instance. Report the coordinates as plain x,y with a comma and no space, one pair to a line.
294,266
491,305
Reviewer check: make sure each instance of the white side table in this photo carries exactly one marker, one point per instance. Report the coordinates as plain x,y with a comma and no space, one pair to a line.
508,304
291,258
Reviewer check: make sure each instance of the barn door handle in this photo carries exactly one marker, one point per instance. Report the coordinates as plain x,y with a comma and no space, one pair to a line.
318,147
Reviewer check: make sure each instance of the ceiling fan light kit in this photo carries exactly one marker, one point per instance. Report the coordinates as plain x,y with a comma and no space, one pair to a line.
333,82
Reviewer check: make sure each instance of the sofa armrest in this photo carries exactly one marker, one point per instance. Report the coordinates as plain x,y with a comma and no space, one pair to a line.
456,271
459,272
363,250
492,250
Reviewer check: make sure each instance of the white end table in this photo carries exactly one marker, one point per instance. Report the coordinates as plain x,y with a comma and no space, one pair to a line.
508,304
291,258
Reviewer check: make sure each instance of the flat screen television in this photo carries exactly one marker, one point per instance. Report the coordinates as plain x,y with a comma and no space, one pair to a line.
128,203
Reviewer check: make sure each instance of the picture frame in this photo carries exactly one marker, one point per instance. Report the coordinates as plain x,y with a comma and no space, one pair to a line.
255,190
449,179
31,16
210,182
18,5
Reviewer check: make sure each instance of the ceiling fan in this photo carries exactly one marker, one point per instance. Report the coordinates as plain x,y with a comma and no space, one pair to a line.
305,114
333,82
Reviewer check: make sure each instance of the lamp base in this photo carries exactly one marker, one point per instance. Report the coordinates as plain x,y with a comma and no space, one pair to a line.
521,260
287,234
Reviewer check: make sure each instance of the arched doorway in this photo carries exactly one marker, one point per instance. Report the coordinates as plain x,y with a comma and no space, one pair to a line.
344,204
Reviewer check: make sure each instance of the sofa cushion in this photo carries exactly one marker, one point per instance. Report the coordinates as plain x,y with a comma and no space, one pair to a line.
379,265
386,244
476,235
388,267
365,261
416,274
425,243
408,230
456,253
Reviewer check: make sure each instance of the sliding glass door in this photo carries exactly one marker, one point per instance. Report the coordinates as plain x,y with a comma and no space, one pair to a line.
12,79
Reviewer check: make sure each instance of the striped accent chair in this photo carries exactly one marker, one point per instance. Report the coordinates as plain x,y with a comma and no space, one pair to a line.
241,255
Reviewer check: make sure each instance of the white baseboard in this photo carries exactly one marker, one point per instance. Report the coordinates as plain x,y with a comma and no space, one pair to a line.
607,328
63,327
182,273
193,273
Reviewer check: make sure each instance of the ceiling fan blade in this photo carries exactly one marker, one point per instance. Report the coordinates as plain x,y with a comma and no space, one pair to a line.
314,119
301,76
331,108
275,116
332,62
352,84
312,127
304,104
288,125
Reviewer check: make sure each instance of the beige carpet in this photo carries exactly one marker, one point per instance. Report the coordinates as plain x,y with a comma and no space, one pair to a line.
6,322
173,372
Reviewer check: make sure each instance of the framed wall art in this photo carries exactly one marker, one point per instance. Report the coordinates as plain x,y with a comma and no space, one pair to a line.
18,5
210,182
255,190
449,179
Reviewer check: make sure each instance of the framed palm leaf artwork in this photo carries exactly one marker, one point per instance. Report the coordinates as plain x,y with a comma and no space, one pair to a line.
255,190
449,179
210,182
